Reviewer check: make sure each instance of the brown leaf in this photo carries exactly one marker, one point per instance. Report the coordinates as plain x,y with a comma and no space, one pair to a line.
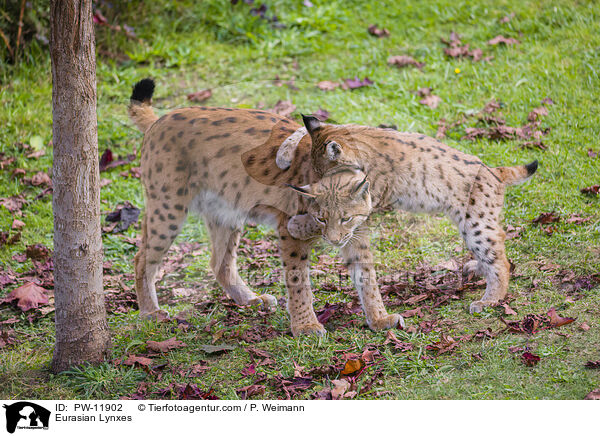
326,85
502,40
424,92
37,252
40,178
447,343
356,83
353,367
594,395
591,190
412,312
529,359
513,232
416,299
584,326
340,387
14,203
491,106
577,219
537,113
36,154
200,96
398,344
432,101
17,224
402,61
507,309
376,31
250,391
29,296
140,360
547,218
165,346
284,108
558,321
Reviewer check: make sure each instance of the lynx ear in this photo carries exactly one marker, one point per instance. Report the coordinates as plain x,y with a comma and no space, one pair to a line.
362,189
304,190
311,123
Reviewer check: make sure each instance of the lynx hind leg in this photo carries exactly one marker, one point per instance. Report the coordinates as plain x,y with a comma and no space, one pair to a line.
303,227
484,237
225,241
162,222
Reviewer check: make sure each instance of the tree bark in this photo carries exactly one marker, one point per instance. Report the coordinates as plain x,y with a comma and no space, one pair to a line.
82,333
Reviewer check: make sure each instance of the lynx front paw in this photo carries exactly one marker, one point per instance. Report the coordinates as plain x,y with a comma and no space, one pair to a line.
309,330
156,315
388,322
477,306
269,301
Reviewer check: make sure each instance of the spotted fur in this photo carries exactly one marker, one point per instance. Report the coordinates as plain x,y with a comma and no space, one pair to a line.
220,163
411,172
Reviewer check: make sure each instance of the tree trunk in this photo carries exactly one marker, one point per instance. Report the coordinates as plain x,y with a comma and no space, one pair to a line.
82,333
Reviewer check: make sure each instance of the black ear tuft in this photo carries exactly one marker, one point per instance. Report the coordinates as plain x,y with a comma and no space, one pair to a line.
311,123
143,90
531,168
301,190
362,189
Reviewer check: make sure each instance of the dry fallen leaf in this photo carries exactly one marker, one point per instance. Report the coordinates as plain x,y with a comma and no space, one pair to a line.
17,224
584,326
591,190
353,366
29,296
141,360
558,321
165,346
379,33
326,85
404,61
432,101
285,108
507,309
594,395
339,389
200,96
529,359
502,40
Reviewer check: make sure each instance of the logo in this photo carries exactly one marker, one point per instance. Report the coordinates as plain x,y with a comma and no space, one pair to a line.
26,415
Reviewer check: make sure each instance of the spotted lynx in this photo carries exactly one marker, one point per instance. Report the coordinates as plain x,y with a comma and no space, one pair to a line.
220,163
366,169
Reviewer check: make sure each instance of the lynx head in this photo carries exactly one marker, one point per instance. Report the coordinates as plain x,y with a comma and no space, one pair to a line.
340,202
335,145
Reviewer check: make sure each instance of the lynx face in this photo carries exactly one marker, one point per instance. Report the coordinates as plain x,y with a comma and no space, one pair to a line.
340,203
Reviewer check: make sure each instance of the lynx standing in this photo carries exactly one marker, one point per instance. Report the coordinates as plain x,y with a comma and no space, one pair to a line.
394,170
192,160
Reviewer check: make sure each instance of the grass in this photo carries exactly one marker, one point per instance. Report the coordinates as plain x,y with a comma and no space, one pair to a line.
187,46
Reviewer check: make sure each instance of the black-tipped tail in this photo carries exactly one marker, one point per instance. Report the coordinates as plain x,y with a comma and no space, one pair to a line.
143,90
531,168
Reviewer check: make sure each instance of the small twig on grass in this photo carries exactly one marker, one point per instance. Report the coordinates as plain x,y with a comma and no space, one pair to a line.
20,24
7,42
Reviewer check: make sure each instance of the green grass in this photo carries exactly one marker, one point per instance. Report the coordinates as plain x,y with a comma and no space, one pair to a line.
187,46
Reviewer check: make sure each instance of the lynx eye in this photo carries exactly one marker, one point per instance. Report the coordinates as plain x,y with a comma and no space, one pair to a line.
347,220
320,220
